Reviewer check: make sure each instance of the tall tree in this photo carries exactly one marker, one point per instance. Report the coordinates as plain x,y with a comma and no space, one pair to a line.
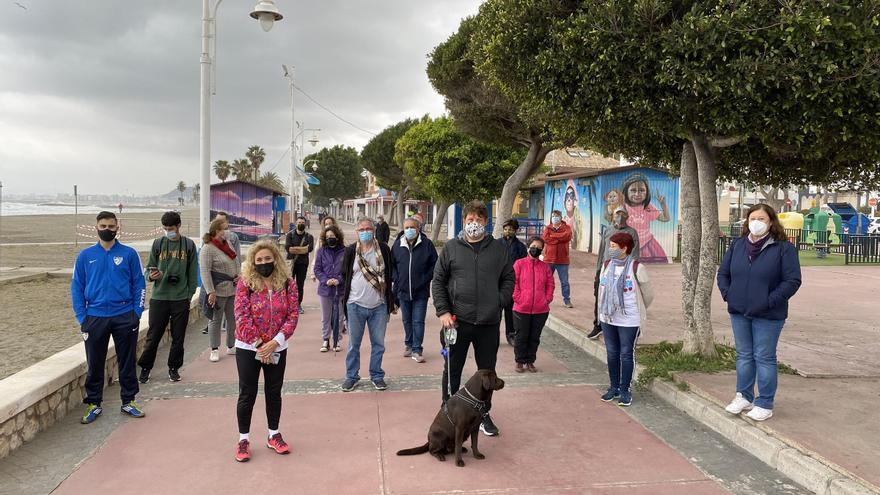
339,173
256,156
241,169
727,89
197,193
271,179
377,158
222,170
452,166
485,113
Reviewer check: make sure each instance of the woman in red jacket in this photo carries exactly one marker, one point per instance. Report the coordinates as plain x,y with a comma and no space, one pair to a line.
266,313
531,304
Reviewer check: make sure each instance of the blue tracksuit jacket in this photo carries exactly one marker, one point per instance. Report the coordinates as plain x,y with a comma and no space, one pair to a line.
107,283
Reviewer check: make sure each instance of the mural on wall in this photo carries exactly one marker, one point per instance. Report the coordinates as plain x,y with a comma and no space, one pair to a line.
249,208
588,204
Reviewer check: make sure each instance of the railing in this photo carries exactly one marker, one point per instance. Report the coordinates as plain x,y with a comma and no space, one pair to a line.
863,249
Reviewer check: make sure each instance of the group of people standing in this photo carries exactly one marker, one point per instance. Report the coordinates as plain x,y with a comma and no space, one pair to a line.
473,281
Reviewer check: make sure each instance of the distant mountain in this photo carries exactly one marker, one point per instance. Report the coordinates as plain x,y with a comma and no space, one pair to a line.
174,194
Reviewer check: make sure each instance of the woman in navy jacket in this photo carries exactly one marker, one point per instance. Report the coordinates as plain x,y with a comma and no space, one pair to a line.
759,274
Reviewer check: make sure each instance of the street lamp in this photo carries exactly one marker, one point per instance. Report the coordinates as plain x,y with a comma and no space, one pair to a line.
267,14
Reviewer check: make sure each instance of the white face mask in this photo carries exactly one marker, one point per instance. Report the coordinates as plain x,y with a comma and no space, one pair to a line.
475,230
757,227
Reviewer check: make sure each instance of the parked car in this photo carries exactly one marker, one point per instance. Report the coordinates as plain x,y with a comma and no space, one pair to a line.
874,226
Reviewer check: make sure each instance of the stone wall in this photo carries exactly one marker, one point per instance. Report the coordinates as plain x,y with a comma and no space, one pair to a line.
36,397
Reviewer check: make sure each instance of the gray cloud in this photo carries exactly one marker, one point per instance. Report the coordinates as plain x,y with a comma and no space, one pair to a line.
106,94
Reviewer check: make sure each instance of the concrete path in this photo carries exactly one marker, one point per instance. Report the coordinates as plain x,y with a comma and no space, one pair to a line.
557,436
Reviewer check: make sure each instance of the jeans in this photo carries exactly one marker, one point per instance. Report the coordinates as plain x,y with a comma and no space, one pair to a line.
620,345
414,322
756,340
97,331
248,383
528,335
485,339
376,319
161,312
563,280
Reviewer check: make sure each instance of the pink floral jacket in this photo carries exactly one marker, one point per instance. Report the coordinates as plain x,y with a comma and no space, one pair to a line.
256,320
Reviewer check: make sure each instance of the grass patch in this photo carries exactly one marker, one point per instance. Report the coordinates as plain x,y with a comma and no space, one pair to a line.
808,258
663,359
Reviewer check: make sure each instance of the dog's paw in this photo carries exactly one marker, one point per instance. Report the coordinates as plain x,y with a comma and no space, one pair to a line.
478,455
459,463
464,450
441,457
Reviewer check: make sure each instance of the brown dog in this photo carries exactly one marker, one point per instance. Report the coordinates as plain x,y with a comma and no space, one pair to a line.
461,417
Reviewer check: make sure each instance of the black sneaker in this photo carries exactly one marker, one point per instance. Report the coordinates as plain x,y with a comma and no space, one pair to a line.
594,334
205,331
145,375
380,384
510,339
488,427
173,375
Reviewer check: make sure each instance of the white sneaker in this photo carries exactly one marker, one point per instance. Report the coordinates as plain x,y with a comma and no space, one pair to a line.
760,414
230,350
418,357
215,355
738,404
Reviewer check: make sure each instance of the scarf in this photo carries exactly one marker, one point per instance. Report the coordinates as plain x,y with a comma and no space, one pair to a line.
612,296
224,246
375,276
753,248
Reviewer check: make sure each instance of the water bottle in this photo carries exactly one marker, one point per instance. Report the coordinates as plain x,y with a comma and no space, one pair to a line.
450,334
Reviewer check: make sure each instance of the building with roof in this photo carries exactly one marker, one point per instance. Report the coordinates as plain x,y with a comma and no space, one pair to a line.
254,210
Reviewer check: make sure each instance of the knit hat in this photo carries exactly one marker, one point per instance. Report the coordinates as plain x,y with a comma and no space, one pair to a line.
623,240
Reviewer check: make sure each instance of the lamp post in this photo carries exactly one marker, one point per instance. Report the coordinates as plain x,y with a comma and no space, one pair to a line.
266,12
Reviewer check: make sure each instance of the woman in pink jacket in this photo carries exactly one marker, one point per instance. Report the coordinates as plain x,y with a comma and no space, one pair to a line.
532,295
266,312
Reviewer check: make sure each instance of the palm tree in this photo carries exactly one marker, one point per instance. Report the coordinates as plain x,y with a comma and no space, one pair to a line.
222,169
181,186
271,180
256,155
197,189
241,169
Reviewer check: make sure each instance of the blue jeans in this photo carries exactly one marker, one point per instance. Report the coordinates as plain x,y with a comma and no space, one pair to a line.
620,344
358,318
756,340
413,313
563,280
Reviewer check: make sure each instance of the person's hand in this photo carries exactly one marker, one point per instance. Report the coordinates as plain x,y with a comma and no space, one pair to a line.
661,199
212,298
265,351
291,250
446,320
332,281
156,275
313,277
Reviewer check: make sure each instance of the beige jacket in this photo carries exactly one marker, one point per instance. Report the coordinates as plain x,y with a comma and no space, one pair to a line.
644,294
212,259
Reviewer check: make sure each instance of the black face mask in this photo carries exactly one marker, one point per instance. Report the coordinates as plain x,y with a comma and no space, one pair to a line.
331,242
265,269
107,235
300,227
535,252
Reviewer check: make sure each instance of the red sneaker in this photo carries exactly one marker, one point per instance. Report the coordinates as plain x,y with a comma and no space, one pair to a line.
243,451
278,444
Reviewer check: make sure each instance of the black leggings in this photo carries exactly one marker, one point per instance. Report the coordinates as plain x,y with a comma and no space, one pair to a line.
485,339
528,335
248,383
299,273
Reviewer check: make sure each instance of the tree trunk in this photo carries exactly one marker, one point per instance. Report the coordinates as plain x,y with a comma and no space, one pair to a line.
439,218
401,206
534,158
708,177
690,245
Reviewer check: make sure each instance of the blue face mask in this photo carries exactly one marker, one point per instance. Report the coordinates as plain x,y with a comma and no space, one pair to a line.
171,235
410,233
365,236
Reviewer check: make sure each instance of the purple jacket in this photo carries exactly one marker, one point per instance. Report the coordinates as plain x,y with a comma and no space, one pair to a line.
328,264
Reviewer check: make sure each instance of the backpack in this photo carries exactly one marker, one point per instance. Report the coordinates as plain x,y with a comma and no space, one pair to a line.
190,249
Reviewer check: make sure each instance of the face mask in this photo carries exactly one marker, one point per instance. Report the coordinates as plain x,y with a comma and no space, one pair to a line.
475,230
615,253
331,242
619,221
534,252
410,233
171,235
107,235
265,269
555,219
300,227
757,227
365,236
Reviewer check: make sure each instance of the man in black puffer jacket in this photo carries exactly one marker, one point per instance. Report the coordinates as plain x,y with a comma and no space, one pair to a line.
473,280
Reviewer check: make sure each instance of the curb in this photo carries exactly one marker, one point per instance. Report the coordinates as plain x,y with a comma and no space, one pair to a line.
803,466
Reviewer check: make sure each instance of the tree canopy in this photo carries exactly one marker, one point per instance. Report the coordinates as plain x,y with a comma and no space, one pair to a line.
339,170
378,155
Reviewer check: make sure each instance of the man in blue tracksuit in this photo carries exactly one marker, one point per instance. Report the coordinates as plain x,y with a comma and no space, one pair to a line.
108,290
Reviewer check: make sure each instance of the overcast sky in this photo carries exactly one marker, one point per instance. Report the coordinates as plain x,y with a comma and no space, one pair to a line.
105,94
